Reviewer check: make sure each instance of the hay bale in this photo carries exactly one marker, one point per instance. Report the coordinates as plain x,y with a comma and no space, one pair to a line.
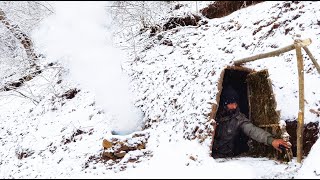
262,112
262,100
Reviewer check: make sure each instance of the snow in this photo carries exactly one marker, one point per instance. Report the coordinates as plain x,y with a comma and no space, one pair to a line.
310,168
169,88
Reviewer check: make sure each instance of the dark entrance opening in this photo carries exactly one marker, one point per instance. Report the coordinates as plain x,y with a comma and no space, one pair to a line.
237,80
256,102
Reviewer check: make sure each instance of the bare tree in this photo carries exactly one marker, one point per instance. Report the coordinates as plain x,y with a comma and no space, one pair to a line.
22,37
18,56
20,18
136,15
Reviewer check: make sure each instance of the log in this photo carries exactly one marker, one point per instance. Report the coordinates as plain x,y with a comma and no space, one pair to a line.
312,58
301,104
277,52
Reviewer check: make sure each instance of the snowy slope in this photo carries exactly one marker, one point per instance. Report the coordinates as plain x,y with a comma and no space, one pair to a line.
174,87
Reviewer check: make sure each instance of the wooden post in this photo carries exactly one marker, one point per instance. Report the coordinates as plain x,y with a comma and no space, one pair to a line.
277,52
312,58
301,103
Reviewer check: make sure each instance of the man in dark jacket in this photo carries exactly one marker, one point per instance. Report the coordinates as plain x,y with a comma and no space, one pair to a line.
231,123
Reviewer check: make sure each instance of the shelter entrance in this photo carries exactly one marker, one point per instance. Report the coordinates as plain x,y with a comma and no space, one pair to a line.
262,105
237,79
256,102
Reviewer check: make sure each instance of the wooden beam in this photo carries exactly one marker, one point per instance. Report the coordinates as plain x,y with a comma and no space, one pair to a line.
277,52
301,104
312,58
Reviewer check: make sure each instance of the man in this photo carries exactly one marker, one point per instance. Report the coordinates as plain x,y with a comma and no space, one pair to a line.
231,123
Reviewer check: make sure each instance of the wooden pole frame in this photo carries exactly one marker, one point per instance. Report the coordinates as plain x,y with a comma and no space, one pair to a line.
301,103
312,58
297,45
277,52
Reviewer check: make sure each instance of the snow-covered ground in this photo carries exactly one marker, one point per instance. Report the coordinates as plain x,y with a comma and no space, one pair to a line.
44,134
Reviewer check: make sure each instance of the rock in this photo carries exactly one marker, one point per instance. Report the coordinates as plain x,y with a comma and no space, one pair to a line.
116,148
106,144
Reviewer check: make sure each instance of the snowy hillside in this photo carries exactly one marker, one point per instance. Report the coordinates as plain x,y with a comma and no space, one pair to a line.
152,90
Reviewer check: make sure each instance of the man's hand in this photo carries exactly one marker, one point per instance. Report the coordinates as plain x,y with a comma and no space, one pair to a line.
278,142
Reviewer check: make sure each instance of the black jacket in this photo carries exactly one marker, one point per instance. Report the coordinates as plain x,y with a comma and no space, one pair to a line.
229,128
